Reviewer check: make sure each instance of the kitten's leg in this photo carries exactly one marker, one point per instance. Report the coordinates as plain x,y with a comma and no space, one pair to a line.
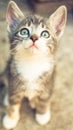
43,114
10,120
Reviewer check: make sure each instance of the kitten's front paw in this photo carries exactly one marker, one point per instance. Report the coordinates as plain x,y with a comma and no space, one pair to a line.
43,119
10,123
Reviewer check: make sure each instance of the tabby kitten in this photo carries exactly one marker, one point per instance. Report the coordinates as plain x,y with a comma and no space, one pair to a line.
33,43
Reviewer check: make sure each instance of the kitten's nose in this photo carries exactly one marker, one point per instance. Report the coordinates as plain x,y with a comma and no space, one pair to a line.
34,37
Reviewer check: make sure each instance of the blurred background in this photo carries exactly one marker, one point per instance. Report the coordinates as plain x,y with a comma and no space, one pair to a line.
62,99
40,6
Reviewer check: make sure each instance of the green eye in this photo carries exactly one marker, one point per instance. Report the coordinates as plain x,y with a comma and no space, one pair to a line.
45,34
24,33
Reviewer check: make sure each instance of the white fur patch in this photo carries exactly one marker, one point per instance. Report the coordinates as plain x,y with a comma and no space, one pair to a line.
10,123
43,119
31,70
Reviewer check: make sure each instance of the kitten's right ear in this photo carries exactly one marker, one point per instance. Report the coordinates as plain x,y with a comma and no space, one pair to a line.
14,15
58,21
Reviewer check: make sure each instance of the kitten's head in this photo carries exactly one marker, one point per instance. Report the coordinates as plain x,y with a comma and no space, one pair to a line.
34,33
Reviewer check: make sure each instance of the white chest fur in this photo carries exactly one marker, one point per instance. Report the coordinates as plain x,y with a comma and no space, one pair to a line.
31,70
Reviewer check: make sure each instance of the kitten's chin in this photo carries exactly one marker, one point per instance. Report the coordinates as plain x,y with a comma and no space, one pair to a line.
33,50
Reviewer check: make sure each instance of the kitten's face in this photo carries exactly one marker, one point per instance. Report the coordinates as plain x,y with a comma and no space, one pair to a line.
35,34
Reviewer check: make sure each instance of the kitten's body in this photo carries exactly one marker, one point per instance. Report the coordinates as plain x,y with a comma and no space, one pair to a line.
32,63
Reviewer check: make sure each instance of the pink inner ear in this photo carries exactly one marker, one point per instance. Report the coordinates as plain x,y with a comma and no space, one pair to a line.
11,17
60,24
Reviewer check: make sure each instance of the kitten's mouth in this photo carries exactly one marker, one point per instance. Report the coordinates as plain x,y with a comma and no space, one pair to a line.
33,46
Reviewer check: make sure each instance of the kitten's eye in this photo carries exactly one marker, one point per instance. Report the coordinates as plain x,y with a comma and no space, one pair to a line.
24,33
45,34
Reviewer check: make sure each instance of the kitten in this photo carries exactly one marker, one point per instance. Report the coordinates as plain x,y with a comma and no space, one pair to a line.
33,43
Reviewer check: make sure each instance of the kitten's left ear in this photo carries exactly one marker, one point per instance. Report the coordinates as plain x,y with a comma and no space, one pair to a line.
57,21
14,14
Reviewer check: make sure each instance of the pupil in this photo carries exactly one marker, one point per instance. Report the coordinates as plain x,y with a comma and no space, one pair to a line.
45,34
24,32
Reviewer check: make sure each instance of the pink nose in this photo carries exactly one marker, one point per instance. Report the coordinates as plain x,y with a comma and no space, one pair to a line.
34,37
